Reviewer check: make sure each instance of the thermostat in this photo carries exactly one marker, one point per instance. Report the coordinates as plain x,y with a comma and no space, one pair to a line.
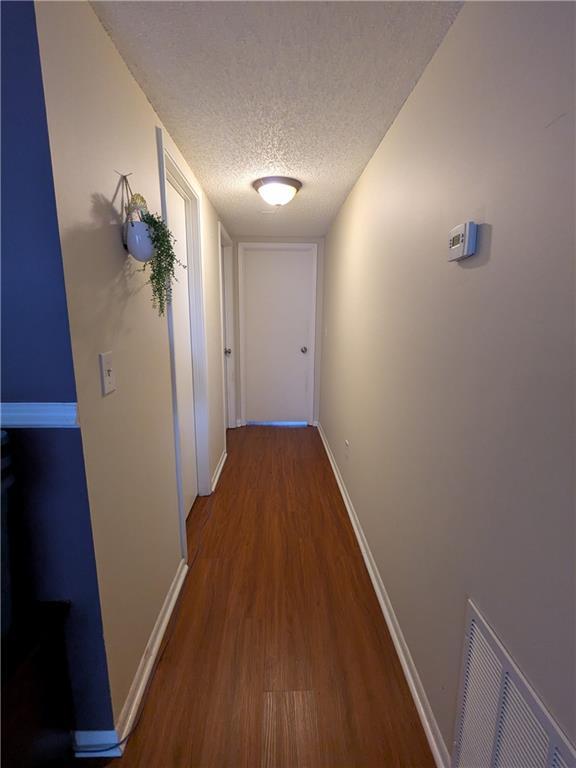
462,241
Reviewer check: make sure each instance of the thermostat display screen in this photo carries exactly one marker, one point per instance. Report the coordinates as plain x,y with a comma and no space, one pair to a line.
456,240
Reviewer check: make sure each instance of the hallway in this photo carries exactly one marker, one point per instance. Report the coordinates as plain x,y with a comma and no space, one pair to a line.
278,654
358,215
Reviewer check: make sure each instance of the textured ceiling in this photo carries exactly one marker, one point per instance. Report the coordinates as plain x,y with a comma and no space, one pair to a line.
304,89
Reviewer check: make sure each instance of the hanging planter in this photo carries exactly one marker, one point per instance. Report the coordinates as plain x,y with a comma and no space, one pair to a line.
148,240
138,241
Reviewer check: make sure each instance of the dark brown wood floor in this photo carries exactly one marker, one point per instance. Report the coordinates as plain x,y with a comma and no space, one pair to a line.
278,655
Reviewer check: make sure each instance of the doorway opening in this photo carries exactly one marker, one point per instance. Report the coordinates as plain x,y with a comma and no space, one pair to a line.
187,339
228,305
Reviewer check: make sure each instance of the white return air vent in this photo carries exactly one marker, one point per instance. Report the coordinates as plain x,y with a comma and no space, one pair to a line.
501,722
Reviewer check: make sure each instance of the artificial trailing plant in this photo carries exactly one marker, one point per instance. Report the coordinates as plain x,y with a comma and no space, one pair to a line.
163,262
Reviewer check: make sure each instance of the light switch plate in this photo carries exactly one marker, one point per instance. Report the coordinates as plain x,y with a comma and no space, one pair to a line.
107,375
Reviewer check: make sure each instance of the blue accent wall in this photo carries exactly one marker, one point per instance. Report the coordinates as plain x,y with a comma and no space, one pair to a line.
35,333
56,556
55,547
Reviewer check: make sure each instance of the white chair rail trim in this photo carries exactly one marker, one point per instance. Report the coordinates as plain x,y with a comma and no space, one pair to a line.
39,415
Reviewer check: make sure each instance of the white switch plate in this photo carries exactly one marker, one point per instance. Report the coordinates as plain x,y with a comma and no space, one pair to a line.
107,376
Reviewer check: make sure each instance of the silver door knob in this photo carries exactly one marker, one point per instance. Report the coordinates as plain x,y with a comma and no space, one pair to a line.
303,350
227,351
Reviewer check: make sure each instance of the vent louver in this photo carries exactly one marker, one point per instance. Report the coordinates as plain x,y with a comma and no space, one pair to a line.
558,761
482,673
501,722
520,739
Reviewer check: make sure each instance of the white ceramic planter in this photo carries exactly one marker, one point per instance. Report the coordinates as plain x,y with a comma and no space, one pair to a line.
138,241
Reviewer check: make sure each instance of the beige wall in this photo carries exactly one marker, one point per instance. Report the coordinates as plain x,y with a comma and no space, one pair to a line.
100,122
455,382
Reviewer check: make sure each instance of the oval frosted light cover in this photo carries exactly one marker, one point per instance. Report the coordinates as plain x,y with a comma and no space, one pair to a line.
276,193
277,190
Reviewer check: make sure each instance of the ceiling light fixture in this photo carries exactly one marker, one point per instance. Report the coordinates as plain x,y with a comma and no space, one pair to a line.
277,190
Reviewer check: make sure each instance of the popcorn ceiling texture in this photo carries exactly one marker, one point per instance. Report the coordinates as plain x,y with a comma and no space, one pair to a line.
304,89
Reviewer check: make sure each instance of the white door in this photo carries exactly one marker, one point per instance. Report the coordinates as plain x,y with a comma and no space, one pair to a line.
186,439
277,320
229,350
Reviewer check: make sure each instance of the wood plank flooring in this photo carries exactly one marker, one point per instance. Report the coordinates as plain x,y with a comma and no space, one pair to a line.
278,655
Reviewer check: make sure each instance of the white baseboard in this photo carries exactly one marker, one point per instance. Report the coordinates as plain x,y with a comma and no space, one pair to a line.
92,744
146,666
240,423
431,729
218,471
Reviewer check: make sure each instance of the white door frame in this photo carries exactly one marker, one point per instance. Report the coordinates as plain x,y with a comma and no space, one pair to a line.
227,306
170,171
242,247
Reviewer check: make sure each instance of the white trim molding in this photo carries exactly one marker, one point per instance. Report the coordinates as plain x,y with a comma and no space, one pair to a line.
171,173
147,662
431,729
218,471
228,324
39,415
222,238
169,170
93,744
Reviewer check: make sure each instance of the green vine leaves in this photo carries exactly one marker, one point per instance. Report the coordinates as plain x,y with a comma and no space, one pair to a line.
163,262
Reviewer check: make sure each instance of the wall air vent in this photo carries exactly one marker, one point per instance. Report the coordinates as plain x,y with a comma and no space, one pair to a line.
501,722
558,761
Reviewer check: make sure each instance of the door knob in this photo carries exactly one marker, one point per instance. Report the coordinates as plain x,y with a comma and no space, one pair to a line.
227,351
303,350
